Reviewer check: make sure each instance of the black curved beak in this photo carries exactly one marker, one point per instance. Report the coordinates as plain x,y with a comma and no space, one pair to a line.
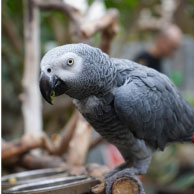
47,86
51,86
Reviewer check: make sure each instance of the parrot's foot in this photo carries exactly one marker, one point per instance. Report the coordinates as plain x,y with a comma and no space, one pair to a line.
140,170
116,169
127,172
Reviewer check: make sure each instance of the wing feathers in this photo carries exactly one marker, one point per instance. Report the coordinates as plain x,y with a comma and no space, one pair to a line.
151,106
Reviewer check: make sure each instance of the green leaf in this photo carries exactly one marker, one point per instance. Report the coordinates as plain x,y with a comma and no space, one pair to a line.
177,77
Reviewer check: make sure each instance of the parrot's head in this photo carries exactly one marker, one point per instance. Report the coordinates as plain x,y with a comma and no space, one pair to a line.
77,70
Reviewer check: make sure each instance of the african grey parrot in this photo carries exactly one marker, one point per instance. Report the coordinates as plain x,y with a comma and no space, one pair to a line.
132,106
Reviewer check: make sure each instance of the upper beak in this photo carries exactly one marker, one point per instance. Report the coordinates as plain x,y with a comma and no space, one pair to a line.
51,86
47,85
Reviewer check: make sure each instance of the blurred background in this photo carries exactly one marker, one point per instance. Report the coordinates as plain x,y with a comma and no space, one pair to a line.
141,24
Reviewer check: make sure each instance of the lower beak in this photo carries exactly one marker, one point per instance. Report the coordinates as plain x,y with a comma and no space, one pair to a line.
47,86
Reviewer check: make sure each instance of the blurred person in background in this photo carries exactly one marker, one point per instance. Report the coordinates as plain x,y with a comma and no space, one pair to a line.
165,45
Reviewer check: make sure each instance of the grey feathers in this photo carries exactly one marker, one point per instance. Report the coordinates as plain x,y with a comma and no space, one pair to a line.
130,105
150,105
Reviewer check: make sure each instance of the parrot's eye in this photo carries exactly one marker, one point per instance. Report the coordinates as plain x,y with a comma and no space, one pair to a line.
70,62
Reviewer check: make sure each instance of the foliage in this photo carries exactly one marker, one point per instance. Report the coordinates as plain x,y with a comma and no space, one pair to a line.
177,77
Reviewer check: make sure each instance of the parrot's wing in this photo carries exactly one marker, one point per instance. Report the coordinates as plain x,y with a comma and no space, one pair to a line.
151,107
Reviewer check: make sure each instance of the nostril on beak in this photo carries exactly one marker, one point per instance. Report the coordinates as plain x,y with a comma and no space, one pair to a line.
48,70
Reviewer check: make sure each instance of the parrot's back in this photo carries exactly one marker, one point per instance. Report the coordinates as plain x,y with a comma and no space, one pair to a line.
151,105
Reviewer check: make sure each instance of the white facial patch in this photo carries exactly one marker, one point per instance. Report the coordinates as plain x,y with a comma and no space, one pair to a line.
65,71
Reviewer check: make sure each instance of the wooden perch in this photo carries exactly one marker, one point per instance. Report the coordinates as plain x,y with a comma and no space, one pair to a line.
31,99
88,29
49,5
67,134
30,161
25,144
120,186
107,37
107,24
99,189
79,144
125,184
97,170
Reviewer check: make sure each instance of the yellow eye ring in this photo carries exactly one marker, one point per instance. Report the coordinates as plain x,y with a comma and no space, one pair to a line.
70,62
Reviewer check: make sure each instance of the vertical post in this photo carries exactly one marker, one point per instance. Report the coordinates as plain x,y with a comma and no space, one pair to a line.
31,99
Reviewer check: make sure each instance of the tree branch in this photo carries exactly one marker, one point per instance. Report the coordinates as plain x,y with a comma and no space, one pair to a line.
88,29
79,144
67,134
25,144
121,185
73,13
31,99
31,162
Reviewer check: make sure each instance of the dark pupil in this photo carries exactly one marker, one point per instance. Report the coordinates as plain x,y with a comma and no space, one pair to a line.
70,61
